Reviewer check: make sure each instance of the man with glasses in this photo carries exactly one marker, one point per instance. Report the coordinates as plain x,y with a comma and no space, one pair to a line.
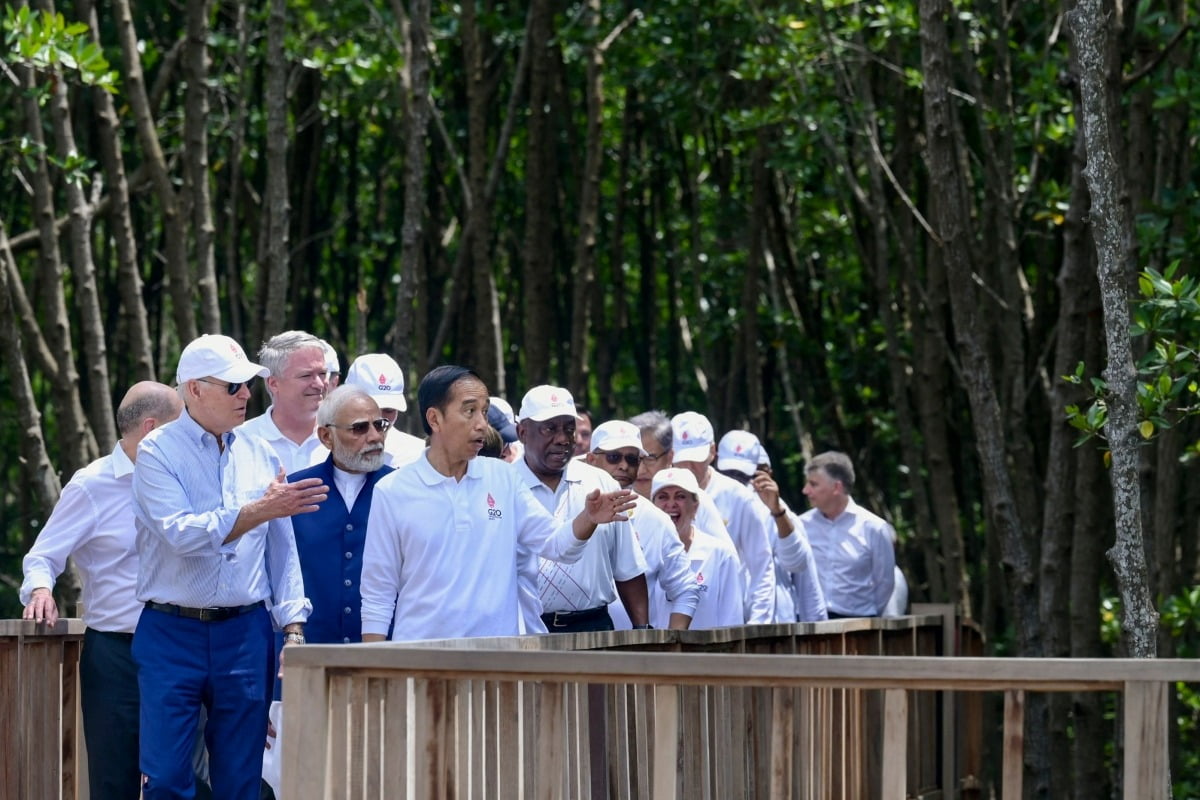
330,541
296,383
213,509
617,449
655,429
575,597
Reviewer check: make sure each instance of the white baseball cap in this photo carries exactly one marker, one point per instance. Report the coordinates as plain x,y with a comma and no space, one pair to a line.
674,476
505,408
215,356
739,450
380,376
691,437
546,402
615,434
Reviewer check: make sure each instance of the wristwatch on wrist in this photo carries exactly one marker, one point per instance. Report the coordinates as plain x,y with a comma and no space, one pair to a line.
293,637
646,627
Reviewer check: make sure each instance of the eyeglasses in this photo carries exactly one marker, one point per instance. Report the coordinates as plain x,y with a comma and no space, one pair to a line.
361,427
616,458
653,456
231,388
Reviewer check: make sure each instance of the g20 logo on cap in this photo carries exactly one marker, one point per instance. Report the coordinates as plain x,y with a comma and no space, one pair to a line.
493,512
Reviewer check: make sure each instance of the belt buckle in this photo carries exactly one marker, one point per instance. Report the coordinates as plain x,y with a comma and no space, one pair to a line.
558,624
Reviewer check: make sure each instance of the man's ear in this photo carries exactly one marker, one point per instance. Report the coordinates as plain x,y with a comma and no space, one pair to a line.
325,435
433,417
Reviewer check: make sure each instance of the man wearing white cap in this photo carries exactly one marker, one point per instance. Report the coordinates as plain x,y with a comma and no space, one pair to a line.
295,361
617,449
575,597
333,368
798,595
440,560
694,447
212,509
380,376
713,559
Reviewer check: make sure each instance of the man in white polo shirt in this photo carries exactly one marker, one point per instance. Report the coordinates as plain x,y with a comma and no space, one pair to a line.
440,558
575,597
617,449
694,447
380,376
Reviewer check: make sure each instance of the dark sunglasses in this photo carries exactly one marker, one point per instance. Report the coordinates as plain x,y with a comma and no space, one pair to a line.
361,428
231,388
617,458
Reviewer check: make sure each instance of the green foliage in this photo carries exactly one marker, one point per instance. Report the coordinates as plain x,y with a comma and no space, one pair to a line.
1168,389
47,42
1180,617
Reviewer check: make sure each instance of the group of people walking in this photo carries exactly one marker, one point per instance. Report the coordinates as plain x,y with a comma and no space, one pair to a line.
208,543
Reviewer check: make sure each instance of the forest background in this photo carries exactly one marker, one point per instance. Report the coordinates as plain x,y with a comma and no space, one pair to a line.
856,226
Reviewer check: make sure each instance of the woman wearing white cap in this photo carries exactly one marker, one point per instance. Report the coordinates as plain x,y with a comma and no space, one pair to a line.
713,560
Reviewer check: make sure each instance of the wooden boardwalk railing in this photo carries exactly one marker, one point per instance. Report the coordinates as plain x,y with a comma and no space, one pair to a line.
477,721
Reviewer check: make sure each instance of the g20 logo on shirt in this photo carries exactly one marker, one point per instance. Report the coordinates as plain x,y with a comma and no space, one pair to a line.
493,512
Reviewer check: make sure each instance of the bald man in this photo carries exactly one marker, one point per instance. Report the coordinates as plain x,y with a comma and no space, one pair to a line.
93,524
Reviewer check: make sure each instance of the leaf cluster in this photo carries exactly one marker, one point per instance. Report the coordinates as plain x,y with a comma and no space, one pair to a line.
47,42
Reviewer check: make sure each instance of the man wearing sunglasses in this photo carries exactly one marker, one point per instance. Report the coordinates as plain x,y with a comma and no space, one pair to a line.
212,509
575,597
330,541
617,449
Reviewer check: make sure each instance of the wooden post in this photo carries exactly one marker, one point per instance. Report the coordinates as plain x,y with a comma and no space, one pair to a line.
1146,740
1014,744
895,745
551,744
305,739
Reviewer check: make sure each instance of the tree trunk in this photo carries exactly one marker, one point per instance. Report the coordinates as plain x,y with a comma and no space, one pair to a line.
1114,247
83,271
75,441
950,207
231,268
537,276
136,346
412,230
277,263
195,134
37,469
174,224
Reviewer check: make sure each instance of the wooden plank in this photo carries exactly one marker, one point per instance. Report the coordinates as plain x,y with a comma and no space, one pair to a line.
374,752
1014,745
434,729
863,672
508,751
895,745
73,757
783,716
551,743
305,741
666,742
1146,767
341,729
394,748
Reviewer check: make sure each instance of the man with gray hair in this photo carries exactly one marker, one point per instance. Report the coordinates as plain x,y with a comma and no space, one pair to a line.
853,547
297,384
330,541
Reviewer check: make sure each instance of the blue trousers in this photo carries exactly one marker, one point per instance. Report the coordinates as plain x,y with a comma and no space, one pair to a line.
109,700
225,667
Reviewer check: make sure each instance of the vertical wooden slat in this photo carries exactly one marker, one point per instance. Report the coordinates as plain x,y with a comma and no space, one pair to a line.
393,750
666,741
305,741
783,715
341,731
509,747
1146,774
373,748
895,745
1014,744
551,743
434,731
73,782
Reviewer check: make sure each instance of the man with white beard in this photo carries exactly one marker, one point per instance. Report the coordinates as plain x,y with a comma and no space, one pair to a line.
330,540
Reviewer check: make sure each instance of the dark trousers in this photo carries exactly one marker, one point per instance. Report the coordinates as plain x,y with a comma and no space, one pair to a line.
184,664
109,701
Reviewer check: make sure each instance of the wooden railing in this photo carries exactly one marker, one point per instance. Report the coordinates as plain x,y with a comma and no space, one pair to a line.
498,718
42,756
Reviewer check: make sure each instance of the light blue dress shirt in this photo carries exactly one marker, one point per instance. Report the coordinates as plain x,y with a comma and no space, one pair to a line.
188,493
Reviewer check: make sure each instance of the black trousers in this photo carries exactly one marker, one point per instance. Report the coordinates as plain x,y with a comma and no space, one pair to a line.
109,700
